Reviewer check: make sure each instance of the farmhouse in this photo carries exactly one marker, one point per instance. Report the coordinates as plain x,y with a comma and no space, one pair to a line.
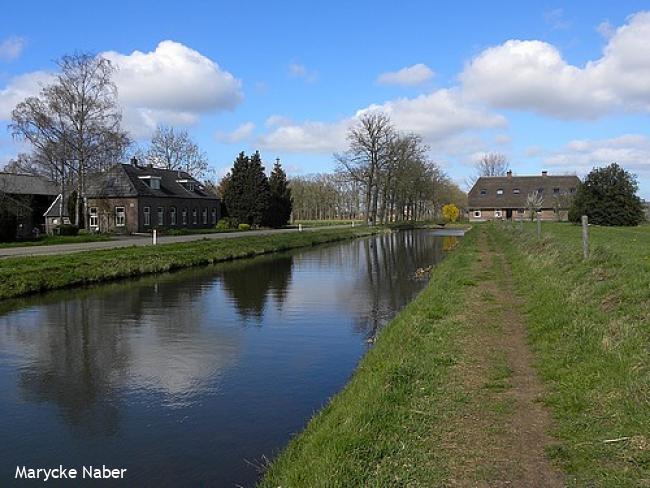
504,197
23,200
130,198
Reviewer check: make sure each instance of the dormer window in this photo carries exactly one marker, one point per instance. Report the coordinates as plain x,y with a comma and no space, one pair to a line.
500,192
152,182
483,192
189,185
515,191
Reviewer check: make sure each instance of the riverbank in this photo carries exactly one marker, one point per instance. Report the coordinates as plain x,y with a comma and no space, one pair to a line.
27,275
453,393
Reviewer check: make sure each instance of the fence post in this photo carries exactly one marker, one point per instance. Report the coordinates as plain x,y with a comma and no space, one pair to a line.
585,237
155,237
299,227
539,226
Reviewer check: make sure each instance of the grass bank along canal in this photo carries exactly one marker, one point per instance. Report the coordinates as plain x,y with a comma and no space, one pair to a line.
193,377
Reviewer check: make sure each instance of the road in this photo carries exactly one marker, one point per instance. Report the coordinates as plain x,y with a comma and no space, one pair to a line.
141,241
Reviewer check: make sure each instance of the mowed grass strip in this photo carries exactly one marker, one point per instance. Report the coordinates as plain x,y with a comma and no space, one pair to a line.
26,275
589,325
384,427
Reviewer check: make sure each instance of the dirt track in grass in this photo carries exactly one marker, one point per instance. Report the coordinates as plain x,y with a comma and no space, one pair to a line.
501,434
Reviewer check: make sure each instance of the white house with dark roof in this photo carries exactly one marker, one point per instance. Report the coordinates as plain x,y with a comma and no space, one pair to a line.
504,197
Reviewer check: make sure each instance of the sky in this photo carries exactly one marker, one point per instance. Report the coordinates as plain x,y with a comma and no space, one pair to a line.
557,86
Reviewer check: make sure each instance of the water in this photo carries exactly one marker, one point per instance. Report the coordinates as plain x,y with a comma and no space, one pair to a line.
192,378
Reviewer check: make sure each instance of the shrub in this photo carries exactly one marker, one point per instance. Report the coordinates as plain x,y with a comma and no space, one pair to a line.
67,230
244,227
224,224
450,212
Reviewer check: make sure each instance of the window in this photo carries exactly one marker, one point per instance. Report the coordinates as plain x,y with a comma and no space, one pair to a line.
477,213
515,191
540,191
93,221
556,191
520,210
120,217
214,216
161,216
483,191
204,216
147,215
155,184
184,217
152,182
497,214
572,190
500,192
195,216
172,216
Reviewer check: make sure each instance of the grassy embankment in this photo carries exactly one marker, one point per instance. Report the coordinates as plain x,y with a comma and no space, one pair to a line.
325,223
52,240
589,325
435,401
25,275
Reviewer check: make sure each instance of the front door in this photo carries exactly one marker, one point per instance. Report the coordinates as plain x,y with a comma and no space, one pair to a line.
509,214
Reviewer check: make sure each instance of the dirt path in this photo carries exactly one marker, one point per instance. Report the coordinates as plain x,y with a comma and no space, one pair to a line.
500,437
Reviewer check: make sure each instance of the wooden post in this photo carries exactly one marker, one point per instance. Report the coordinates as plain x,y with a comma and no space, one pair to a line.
585,237
299,227
539,226
155,237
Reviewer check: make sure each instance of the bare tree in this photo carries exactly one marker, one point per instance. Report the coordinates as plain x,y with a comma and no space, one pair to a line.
75,123
490,164
368,154
172,148
534,202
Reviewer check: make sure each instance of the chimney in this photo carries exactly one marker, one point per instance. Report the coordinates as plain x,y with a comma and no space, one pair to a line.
509,173
544,173
134,161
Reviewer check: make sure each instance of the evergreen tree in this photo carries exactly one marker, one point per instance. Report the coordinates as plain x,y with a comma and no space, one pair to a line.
280,204
608,197
247,193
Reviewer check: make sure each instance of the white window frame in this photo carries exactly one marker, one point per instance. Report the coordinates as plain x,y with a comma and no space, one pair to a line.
499,192
214,215
515,191
161,215
146,212
498,213
120,216
184,216
172,216
93,218
477,214
204,216
195,216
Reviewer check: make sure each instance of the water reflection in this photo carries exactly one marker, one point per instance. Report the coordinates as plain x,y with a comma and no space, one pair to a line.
167,370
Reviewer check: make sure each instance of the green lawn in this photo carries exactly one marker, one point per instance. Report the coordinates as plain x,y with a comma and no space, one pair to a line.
25,275
51,240
589,324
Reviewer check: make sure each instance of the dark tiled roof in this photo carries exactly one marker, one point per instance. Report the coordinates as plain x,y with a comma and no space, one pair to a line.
525,185
126,180
53,210
23,184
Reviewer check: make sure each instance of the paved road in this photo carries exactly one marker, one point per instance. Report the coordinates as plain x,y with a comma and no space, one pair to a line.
141,241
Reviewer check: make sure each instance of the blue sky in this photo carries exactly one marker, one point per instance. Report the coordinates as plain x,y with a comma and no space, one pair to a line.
560,86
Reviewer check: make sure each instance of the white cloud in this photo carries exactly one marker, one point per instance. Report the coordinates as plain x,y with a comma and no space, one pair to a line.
409,76
298,70
241,133
11,48
631,151
172,84
436,117
19,88
532,75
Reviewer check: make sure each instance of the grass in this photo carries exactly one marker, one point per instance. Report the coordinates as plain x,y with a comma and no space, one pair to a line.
377,431
26,275
432,403
325,223
51,240
589,326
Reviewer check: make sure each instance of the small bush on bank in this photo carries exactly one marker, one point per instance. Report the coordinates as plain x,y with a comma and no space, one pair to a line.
223,224
244,227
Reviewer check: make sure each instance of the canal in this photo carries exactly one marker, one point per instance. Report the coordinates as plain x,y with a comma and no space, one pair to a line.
196,378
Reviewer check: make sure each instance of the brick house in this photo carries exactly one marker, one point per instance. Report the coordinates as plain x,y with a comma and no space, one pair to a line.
504,197
130,198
